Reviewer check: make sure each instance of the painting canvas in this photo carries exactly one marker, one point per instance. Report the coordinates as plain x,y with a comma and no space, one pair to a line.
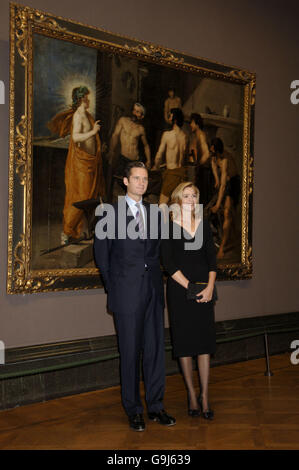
84,104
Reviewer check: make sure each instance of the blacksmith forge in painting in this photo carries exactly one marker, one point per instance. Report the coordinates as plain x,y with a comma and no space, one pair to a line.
85,102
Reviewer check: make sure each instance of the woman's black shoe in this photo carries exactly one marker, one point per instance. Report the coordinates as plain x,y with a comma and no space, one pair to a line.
195,413
208,414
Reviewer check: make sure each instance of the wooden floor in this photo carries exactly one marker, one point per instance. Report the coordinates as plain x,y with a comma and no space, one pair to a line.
251,412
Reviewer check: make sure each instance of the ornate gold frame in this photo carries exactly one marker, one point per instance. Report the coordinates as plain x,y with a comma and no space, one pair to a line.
23,22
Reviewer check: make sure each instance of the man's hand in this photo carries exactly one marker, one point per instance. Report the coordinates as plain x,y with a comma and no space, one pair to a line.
96,127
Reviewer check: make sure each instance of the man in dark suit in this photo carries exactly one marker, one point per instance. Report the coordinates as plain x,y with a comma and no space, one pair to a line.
128,259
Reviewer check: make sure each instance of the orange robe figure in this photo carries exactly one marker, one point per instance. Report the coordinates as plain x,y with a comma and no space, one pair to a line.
84,177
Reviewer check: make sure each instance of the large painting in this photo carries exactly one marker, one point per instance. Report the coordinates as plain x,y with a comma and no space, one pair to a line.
84,103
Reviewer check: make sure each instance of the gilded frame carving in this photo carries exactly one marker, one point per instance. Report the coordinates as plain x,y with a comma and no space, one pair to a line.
24,23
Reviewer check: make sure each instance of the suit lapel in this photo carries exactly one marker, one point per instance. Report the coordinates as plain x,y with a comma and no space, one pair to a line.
129,214
147,219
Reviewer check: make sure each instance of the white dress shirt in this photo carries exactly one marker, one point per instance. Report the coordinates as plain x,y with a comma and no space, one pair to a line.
133,208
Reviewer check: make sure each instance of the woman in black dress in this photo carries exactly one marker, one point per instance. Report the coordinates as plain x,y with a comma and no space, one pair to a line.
192,321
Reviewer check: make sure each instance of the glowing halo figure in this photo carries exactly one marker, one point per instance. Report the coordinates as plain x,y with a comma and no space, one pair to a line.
83,170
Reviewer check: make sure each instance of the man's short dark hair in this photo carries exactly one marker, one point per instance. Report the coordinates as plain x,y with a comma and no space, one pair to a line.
218,145
197,119
177,117
127,171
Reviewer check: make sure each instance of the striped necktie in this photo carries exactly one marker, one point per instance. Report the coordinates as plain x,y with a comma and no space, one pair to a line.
140,221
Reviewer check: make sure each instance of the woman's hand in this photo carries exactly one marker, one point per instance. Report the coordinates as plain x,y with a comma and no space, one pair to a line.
179,277
205,295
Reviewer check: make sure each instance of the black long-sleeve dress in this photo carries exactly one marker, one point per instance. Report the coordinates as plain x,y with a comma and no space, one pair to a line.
192,323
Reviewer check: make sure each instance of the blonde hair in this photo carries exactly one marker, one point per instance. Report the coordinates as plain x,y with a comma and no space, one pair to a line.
177,199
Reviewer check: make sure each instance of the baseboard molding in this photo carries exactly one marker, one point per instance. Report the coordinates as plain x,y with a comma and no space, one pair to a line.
43,372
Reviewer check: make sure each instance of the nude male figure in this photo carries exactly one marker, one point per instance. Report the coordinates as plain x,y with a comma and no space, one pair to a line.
83,174
199,147
83,169
173,144
129,131
228,189
83,131
206,176
171,102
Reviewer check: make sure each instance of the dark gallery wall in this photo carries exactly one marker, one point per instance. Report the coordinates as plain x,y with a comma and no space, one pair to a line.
258,36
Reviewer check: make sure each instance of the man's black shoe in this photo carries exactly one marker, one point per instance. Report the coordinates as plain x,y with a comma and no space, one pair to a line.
163,418
136,422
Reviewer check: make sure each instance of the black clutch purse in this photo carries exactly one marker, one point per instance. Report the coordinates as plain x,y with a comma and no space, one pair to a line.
195,288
